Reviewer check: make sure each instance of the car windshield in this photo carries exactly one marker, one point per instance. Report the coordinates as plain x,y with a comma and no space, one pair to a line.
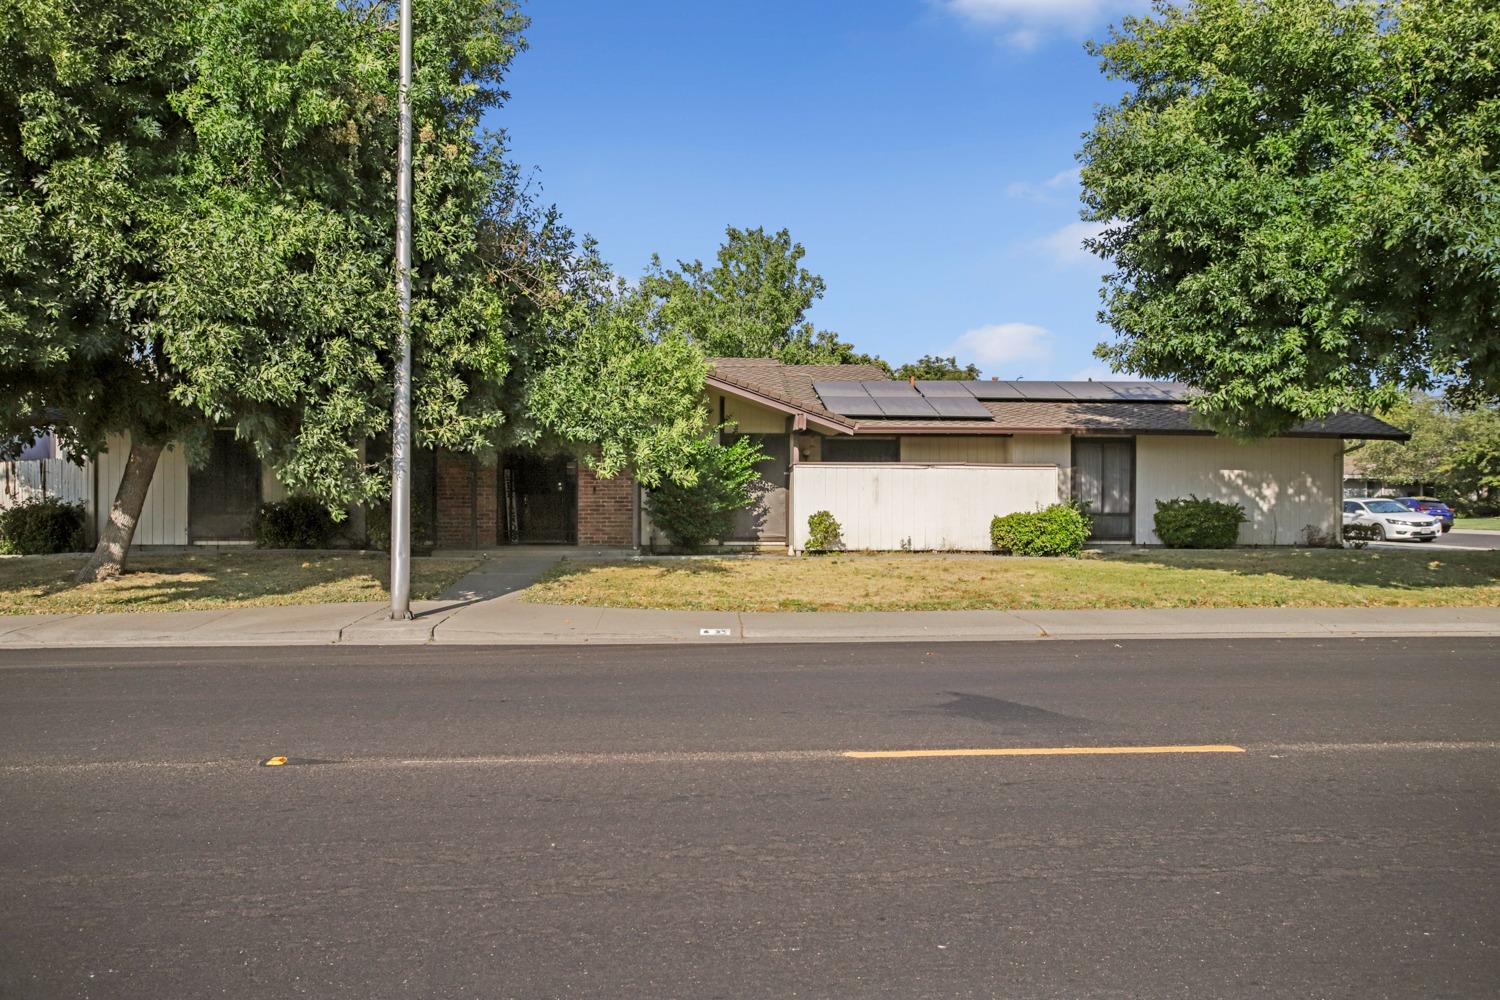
1386,507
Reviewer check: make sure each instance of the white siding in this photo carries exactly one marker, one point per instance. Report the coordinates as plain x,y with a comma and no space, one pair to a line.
885,507
164,518
1284,484
972,450
45,477
1047,449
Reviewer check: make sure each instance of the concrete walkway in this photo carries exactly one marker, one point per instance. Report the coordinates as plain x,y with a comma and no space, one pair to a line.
507,620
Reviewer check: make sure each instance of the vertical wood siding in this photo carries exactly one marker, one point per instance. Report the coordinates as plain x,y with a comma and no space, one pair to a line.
164,517
974,449
1284,484
44,477
922,507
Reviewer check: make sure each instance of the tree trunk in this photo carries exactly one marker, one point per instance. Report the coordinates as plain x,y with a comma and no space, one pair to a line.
114,540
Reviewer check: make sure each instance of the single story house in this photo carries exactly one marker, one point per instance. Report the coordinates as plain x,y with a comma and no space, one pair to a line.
901,465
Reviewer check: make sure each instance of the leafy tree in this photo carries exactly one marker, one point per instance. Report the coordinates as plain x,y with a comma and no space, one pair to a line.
752,303
934,367
1301,202
702,508
1457,451
198,228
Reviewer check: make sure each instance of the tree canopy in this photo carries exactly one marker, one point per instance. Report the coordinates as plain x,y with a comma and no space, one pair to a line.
935,368
1456,450
1300,203
198,228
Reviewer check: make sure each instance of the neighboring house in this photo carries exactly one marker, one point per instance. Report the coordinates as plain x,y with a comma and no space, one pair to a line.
923,466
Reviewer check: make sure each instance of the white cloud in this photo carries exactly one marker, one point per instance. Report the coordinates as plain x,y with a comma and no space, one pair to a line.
1065,245
1002,343
1067,180
1098,373
1026,22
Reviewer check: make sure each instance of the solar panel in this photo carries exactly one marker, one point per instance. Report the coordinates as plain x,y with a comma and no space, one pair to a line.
853,406
1149,392
993,391
891,388
963,407
1091,392
942,387
839,388
1043,391
913,408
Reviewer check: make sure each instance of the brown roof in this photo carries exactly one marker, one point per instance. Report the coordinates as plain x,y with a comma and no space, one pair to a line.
793,385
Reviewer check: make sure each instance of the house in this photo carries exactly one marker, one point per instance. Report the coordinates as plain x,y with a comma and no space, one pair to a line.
925,465
901,465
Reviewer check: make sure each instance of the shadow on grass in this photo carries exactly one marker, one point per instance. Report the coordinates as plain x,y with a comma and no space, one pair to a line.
151,580
1417,569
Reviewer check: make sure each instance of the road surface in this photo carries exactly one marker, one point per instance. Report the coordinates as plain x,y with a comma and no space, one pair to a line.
1453,539
684,822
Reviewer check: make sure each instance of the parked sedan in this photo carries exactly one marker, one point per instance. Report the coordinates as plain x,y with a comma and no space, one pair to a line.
1430,505
1390,520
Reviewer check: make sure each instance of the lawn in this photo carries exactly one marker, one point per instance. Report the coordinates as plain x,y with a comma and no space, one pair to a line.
195,581
1130,579
1478,523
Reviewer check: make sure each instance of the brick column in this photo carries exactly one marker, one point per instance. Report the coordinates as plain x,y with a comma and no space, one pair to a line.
606,509
468,499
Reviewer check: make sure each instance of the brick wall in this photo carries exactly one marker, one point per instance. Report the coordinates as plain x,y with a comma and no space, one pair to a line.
606,509
468,500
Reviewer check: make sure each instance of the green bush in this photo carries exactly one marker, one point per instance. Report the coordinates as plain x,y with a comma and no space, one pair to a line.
824,533
1059,530
41,526
692,514
1191,523
293,523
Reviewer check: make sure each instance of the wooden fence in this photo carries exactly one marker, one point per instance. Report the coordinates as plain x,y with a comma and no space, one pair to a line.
47,477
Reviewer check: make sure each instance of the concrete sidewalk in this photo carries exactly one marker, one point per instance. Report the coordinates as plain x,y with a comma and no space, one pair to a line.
508,620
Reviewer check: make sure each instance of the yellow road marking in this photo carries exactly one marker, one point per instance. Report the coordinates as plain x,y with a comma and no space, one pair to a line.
1038,751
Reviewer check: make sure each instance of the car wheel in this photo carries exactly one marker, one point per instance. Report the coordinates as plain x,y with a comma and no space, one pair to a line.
1380,532
1447,528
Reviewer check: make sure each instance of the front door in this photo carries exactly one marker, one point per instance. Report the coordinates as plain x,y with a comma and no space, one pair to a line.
1104,478
539,499
224,493
765,519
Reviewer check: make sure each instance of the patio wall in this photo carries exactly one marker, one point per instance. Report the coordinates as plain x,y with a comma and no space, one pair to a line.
922,507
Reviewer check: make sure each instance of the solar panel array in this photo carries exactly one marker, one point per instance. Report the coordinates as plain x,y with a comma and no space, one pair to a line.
953,400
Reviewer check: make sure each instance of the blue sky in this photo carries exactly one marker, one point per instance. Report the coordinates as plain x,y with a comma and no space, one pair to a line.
922,151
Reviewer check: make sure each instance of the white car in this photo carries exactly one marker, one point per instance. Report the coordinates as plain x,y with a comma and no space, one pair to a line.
1392,520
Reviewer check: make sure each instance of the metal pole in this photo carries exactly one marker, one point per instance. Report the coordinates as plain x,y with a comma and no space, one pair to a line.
401,422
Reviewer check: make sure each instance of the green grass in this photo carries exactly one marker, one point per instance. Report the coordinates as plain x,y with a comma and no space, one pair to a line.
1132,579
1477,523
198,581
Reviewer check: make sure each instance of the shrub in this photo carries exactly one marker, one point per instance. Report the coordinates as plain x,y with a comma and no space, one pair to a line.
1059,530
293,523
41,526
692,514
1359,535
1190,523
824,533
378,527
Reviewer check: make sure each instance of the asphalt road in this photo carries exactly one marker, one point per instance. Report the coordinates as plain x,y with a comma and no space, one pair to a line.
681,822
1452,539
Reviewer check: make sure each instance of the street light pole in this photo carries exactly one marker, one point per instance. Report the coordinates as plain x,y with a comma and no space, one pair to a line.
401,422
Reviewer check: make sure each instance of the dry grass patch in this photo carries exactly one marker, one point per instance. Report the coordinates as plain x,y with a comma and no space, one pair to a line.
1244,578
199,581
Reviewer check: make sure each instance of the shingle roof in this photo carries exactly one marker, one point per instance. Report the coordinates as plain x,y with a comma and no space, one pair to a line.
793,385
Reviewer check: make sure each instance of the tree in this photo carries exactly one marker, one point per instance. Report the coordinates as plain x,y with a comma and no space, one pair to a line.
1457,451
935,367
752,303
198,232
1299,201
693,513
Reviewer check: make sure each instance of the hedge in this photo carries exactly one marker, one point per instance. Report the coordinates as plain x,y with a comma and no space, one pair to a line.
1191,523
1059,530
41,526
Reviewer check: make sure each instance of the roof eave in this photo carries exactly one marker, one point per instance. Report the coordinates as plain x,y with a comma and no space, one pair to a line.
804,416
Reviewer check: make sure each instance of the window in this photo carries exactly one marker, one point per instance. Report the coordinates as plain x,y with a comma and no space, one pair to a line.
1350,507
845,449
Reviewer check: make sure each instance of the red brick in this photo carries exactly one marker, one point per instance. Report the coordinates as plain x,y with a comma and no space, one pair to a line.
606,509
